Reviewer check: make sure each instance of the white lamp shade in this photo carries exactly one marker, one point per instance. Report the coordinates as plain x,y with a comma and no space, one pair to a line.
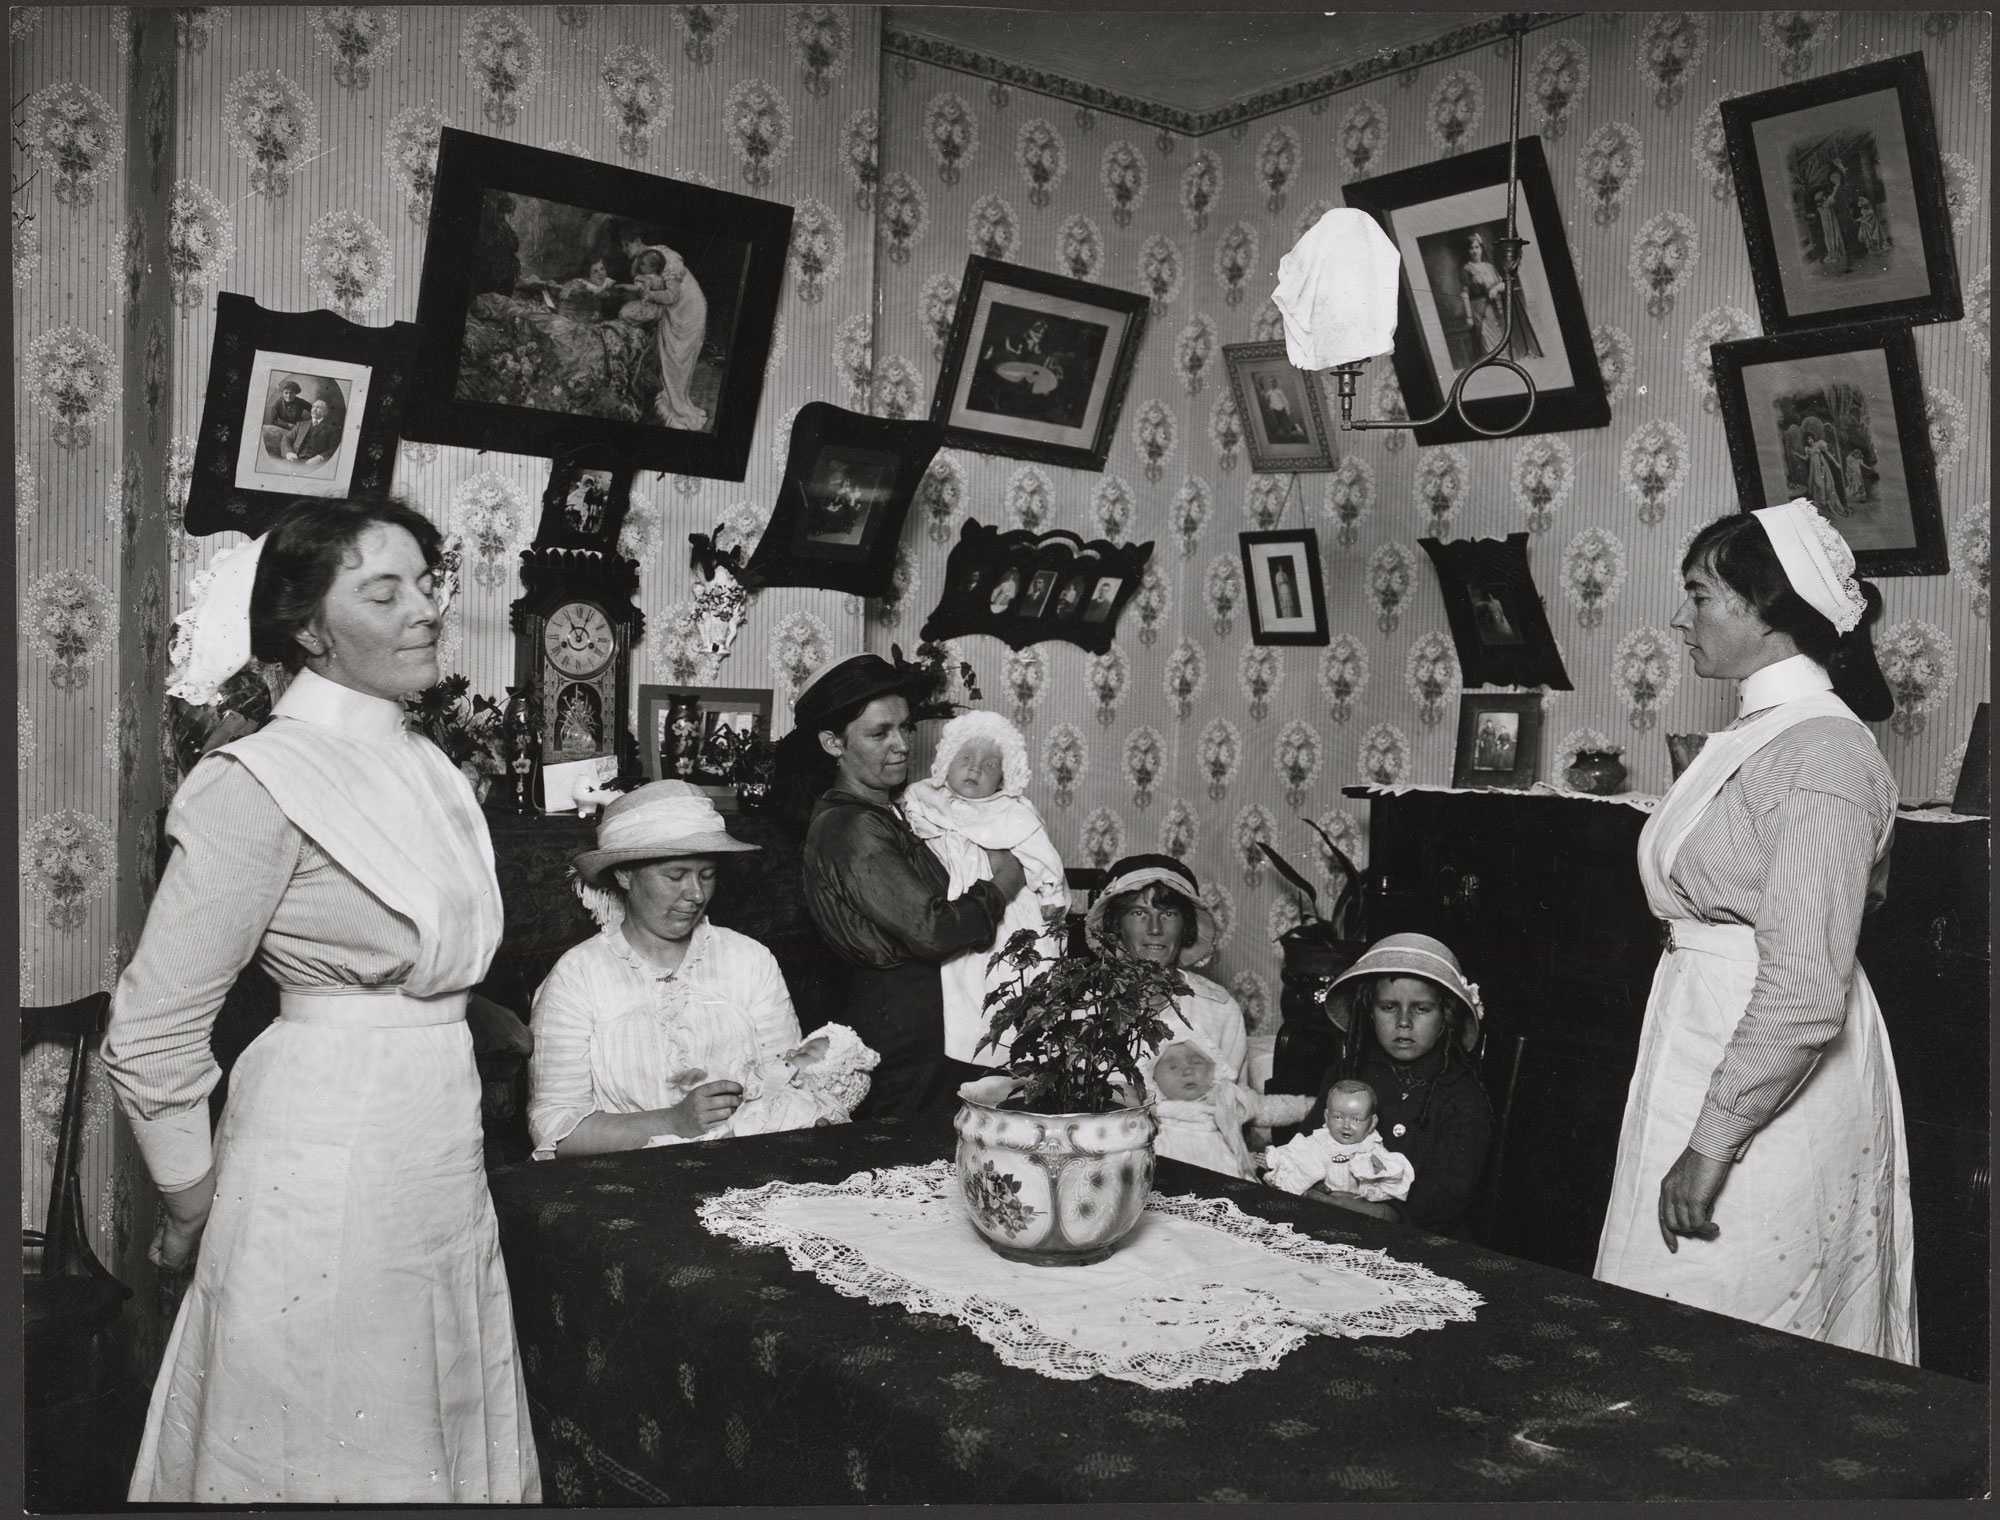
1337,291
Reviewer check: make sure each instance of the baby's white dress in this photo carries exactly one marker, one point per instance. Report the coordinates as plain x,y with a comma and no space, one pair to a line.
1367,1167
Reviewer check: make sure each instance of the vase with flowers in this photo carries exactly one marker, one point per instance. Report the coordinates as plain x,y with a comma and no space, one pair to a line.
465,725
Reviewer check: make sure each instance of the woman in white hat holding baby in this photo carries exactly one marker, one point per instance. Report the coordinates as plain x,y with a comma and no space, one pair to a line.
1762,1171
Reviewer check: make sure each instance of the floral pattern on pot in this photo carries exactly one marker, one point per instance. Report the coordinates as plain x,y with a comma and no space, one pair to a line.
1278,166
1259,674
1186,674
1593,573
1794,37
1103,837
490,514
1350,497
1107,675
1296,759
1613,347
941,497
1920,664
1050,1190
952,133
347,263
1670,46
1154,601
1664,253
69,617
1653,467
1645,668
1711,152
1194,352
1946,416
409,153
1201,184
905,213
992,229
1384,754
1364,135
1544,471
273,124
819,244
67,857
1154,435
1043,159
1222,591
1160,271
1343,676
356,37
758,124
1122,173
1111,508
1455,108
822,41
1430,675
636,97
1025,676
1079,246
860,155
702,28
1225,431
1562,74
1189,514
1180,830
1440,485
1255,825
1972,555
1391,573
1236,253
1144,756
1030,504
1719,324
1265,501
68,375
72,135
1065,760
1608,168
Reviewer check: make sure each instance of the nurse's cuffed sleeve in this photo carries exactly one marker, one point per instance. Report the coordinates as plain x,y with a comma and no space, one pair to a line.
234,852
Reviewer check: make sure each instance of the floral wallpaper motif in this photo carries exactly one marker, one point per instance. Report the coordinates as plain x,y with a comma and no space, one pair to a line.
1343,676
1663,257
347,263
1653,467
1544,470
70,133
1236,260
1455,108
1221,753
355,37
1431,675
68,375
1593,573
1278,165
758,125
1123,175
66,859
1562,74
953,134
1672,43
822,41
1160,272
1040,153
272,122
1646,666
819,242
503,57
703,29
1920,664
634,92
1607,170
1721,324
1201,182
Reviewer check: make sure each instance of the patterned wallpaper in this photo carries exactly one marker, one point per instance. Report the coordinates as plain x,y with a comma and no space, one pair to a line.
1188,737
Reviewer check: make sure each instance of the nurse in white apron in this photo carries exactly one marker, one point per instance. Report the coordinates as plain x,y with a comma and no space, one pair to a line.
1761,1169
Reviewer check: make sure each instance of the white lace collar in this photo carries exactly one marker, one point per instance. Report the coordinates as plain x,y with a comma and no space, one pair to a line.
327,704
698,943
1785,681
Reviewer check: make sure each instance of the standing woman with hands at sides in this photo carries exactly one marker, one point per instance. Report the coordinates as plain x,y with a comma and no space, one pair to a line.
1762,1171
877,892
347,1336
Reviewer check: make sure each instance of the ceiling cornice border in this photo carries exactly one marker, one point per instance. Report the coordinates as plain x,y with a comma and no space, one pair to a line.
1303,92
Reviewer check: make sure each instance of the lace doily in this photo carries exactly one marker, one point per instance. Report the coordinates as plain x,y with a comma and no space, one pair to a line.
1200,1291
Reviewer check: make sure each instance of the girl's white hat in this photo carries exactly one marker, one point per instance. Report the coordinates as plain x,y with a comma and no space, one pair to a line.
1420,955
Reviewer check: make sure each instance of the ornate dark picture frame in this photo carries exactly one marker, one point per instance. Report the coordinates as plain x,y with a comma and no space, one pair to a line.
505,340
1037,364
1499,741
585,502
1837,414
1283,586
739,706
1026,588
1498,623
1447,312
1843,199
849,481
280,382
1285,428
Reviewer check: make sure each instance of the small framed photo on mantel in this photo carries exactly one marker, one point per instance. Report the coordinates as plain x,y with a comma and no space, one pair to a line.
1499,741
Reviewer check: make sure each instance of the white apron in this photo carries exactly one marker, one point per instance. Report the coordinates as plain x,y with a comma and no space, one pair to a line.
1815,1219
348,1336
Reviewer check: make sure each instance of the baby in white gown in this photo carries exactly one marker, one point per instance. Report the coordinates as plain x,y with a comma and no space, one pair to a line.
974,801
1202,1113
1346,1155
820,1080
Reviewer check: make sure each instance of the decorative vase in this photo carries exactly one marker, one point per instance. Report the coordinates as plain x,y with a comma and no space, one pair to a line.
1597,771
1054,1190
683,750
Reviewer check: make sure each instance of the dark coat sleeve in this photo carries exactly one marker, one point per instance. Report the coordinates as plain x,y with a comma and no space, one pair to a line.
855,865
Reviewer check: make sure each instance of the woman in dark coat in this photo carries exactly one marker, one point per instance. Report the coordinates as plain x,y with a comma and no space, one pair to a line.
878,893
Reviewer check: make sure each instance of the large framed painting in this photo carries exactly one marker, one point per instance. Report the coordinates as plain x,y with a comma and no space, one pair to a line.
1037,364
1843,199
566,301
1284,419
1446,219
299,403
1836,414
1024,588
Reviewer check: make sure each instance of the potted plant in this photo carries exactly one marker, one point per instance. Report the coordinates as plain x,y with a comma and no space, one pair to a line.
1055,1154
464,725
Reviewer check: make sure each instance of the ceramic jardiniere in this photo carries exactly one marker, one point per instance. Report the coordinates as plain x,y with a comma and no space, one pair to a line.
1056,1190
1600,772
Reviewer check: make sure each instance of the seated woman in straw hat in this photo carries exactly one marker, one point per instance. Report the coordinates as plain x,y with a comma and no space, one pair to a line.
656,1029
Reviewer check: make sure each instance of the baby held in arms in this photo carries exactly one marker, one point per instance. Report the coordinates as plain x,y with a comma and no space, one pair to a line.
974,801
1202,1113
820,1080
1347,1156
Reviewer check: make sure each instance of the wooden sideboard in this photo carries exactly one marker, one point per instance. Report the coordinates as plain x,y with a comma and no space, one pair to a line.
1540,896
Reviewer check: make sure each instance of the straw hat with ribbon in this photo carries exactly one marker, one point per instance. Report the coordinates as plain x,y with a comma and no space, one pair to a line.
1132,874
659,820
1419,955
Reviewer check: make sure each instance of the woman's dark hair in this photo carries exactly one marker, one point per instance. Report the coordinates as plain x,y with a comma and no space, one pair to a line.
1163,897
1738,550
304,551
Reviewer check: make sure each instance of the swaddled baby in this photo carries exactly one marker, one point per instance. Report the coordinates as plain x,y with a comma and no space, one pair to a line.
820,1080
1202,1113
1346,1156
975,801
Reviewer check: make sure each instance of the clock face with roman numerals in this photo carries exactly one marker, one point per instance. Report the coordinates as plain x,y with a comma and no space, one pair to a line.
578,640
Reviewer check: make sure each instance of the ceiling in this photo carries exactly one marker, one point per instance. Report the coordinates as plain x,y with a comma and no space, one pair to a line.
1197,61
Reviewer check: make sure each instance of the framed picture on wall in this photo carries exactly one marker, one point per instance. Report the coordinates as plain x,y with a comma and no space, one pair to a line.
1284,418
1843,198
298,404
1286,593
1498,623
1499,741
1446,218
1836,414
727,716
1025,588
1037,364
585,502
566,301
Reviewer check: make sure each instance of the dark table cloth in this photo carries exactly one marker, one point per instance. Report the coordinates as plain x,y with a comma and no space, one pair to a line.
666,1365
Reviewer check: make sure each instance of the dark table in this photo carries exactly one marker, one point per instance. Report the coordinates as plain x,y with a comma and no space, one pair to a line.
666,1365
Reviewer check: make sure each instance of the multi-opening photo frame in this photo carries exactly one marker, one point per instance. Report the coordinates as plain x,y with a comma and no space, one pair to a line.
1025,588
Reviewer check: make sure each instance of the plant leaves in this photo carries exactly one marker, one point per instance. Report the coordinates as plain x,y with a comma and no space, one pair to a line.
1286,870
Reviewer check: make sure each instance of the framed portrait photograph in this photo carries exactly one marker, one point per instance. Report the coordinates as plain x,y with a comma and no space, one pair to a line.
1836,414
567,301
1284,416
1498,623
849,480
1285,590
298,404
1025,588
1445,219
1843,199
585,502
1499,741
1037,364
726,716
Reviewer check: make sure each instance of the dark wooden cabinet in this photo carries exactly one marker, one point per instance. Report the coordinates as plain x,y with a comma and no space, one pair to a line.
1540,896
